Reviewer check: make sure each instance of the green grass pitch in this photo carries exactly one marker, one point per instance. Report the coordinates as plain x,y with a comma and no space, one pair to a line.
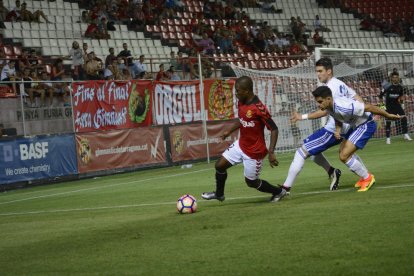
127,224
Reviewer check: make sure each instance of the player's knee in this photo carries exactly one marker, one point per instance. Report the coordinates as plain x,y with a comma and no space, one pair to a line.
344,157
252,183
219,166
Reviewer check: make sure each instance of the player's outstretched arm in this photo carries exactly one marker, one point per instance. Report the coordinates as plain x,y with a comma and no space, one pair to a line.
314,115
378,111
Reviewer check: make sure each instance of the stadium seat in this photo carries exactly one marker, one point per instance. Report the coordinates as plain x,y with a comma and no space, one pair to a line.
8,33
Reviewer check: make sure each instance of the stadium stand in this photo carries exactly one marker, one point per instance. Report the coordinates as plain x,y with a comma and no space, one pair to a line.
174,31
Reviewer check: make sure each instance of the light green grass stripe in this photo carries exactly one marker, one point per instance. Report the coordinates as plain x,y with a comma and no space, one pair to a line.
171,203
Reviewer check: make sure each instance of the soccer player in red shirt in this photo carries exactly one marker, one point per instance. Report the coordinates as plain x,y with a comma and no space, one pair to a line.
250,149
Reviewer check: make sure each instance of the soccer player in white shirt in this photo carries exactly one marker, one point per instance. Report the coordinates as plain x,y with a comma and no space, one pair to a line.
359,116
323,139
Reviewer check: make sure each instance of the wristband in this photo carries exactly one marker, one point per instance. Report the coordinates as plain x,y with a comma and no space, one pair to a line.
304,116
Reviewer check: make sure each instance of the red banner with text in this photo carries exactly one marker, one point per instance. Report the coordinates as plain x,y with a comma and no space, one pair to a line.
97,151
187,142
105,105
180,102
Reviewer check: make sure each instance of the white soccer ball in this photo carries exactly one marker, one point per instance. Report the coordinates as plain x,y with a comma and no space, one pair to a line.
186,204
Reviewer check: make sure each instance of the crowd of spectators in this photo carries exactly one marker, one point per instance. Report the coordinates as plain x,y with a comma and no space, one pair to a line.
397,27
230,35
27,68
124,66
21,13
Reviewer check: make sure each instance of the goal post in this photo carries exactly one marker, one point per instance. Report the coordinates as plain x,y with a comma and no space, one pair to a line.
366,71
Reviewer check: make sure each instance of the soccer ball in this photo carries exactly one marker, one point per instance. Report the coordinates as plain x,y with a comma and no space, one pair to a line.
186,204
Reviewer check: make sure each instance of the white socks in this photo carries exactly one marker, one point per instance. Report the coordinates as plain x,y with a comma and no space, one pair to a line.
357,167
295,167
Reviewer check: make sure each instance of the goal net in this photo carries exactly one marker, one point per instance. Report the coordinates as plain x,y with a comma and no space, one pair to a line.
366,71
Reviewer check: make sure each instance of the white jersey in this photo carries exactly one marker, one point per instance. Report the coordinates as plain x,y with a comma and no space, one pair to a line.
350,111
339,90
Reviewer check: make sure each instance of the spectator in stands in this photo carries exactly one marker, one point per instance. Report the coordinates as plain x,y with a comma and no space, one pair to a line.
141,71
173,59
273,45
126,74
206,66
229,11
186,64
23,61
162,75
270,6
226,44
367,24
28,16
207,44
128,59
3,14
112,72
318,39
172,75
302,25
32,88
169,6
85,18
60,88
296,48
392,29
207,9
295,28
103,29
218,11
46,86
120,64
266,29
111,58
93,68
76,54
85,52
3,59
8,73
58,71
411,33
317,25
93,30
260,43
137,16
14,14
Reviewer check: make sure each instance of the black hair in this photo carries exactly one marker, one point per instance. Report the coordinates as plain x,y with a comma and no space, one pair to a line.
245,82
325,62
395,74
322,91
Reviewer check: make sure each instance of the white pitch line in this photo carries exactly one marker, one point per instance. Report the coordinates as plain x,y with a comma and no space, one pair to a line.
102,187
172,203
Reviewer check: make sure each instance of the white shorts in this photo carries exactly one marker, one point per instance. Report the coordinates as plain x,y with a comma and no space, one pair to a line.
235,155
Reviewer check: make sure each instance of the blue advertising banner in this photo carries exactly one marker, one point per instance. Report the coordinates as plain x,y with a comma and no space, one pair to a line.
36,158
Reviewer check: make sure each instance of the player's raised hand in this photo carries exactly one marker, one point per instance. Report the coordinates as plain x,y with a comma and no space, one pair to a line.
272,160
295,117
